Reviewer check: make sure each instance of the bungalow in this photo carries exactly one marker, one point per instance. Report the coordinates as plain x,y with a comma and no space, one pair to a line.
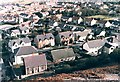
99,32
16,43
11,21
65,34
75,20
64,19
111,44
80,20
39,23
104,23
90,21
41,39
62,55
81,35
108,24
24,30
108,48
19,54
94,46
35,64
93,22
15,33
23,17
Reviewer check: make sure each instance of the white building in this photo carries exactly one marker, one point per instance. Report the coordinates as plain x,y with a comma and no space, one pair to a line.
23,52
94,46
14,44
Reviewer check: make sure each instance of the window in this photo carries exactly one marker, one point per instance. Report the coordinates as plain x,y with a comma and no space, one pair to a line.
24,31
21,58
61,59
116,46
95,51
32,70
28,71
111,48
42,67
15,45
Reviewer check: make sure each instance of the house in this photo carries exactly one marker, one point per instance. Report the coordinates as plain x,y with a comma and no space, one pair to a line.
61,55
109,48
111,44
104,23
81,35
93,22
16,43
35,64
41,38
15,33
75,20
90,21
39,23
80,20
108,24
99,32
93,46
64,18
11,21
64,37
19,54
65,34
24,30
23,17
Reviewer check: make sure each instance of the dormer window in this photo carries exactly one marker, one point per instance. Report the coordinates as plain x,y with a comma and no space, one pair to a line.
14,43
21,42
25,31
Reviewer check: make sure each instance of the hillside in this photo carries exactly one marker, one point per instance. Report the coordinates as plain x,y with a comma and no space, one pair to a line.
97,73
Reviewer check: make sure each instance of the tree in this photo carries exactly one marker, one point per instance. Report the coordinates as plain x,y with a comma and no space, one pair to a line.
115,55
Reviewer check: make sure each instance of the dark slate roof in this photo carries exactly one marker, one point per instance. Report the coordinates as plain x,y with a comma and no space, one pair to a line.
18,41
66,34
107,45
26,50
35,61
102,22
62,53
